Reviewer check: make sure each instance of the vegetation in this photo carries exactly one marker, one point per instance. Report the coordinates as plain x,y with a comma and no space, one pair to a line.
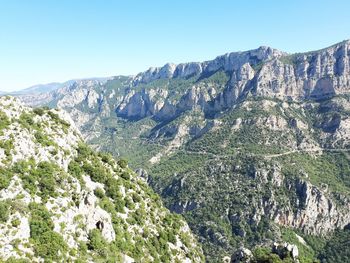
44,139
7,146
4,121
330,168
5,178
265,255
62,123
111,199
4,211
136,212
27,121
48,243
306,253
336,248
41,179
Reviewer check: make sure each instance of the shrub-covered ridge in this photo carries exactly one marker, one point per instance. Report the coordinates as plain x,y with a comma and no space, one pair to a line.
61,201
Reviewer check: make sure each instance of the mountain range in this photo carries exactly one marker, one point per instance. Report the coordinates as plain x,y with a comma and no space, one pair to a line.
251,148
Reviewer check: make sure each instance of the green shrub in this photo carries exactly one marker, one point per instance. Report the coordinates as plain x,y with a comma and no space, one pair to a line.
22,167
171,237
136,198
112,188
4,121
5,178
19,206
4,211
49,246
99,192
29,183
39,111
123,163
26,120
75,170
96,242
47,186
65,125
129,203
7,146
107,158
96,172
43,139
82,247
15,222
263,255
336,248
45,174
125,175
120,205
84,151
40,221
47,243
17,260
107,205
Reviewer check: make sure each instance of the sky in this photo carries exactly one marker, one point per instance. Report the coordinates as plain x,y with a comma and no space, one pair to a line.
57,40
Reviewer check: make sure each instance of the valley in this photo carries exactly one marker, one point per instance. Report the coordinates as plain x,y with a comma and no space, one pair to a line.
251,148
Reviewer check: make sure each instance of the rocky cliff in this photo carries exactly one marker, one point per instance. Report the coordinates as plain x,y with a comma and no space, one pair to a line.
60,201
246,146
261,72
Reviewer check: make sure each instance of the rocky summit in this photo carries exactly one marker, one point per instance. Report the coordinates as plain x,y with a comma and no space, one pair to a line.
62,202
251,148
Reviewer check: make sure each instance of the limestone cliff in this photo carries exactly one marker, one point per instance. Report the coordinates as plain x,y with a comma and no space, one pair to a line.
244,146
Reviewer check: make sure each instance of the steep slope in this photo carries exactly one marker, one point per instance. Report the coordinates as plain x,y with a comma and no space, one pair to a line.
251,147
60,201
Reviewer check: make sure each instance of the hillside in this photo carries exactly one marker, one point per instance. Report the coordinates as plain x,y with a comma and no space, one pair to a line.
60,201
251,147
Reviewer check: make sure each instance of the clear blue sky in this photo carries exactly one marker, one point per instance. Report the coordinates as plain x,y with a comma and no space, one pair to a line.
46,41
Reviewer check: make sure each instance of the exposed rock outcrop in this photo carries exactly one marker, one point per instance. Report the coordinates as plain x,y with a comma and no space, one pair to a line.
60,201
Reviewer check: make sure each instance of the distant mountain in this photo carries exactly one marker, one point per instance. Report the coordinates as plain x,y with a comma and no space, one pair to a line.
45,88
36,89
40,88
252,147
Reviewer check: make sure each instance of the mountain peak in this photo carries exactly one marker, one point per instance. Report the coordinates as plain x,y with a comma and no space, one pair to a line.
226,62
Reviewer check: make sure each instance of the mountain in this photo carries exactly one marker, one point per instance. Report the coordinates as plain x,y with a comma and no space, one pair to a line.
62,202
40,88
252,148
36,90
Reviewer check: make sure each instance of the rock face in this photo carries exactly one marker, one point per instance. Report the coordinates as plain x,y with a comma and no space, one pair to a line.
318,213
242,146
243,255
60,201
285,249
228,62
262,72
280,252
